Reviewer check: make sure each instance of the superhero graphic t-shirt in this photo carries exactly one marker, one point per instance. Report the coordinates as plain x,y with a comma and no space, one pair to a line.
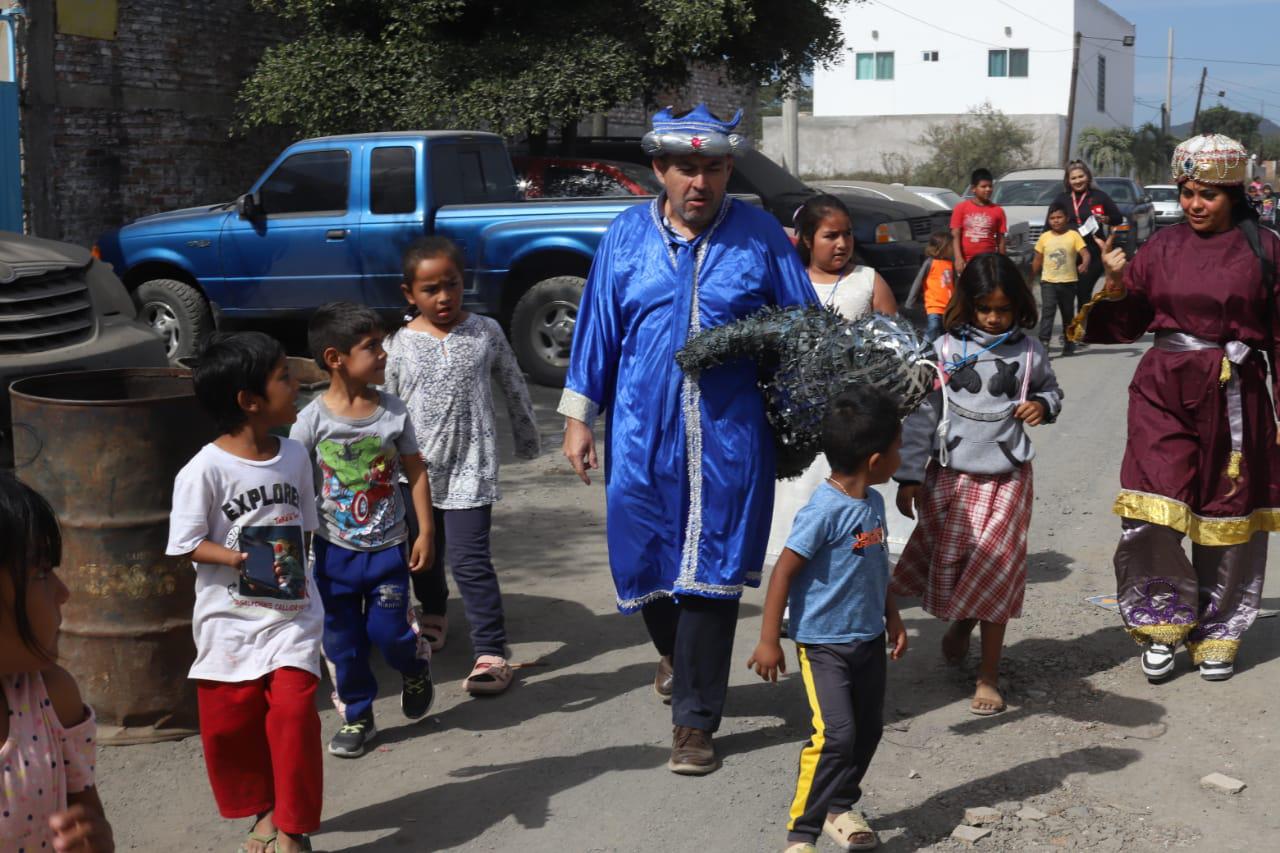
357,472
264,615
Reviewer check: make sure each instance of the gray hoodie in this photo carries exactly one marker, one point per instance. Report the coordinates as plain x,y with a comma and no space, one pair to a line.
984,386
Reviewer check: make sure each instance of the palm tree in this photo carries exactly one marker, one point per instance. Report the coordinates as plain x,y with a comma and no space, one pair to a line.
1152,151
1110,151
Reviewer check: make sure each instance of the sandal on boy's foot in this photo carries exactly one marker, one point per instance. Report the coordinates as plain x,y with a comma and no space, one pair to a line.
1157,662
353,738
264,839
850,831
1216,670
491,674
304,843
986,706
801,847
434,628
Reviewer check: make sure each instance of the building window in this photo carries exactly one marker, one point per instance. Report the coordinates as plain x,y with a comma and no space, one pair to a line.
930,56
1007,63
1102,83
874,66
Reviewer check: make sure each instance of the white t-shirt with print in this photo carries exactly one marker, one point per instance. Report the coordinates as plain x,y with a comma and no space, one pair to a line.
268,615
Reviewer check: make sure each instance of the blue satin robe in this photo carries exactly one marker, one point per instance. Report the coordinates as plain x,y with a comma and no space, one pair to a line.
689,465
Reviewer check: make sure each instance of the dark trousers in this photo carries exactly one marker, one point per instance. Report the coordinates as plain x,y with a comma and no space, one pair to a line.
1061,297
845,685
1089,278
697,634
462,540
934,328
366,603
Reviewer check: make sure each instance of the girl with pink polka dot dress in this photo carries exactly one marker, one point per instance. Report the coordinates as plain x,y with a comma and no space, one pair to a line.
47,795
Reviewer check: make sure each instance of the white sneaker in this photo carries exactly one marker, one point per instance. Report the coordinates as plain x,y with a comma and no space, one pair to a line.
1157,662
1216,670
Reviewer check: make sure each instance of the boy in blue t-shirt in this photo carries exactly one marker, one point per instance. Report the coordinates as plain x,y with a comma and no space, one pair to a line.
834,573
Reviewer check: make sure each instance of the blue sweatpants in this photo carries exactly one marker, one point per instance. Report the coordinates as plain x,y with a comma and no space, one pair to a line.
366,603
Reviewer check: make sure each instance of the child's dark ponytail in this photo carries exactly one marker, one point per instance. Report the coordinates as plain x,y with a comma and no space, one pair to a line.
424,249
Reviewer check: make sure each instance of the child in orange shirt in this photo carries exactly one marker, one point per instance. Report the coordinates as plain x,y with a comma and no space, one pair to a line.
936,278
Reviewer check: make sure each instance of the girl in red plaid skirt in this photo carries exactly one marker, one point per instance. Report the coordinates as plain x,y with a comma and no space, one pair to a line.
966,467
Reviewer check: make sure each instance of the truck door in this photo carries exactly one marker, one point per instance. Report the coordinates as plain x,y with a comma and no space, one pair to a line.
303,248
393,216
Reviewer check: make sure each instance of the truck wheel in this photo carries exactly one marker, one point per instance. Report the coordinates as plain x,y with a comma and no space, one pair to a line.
542,328
177,312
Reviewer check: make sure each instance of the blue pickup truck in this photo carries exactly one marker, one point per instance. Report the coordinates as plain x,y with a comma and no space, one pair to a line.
329,219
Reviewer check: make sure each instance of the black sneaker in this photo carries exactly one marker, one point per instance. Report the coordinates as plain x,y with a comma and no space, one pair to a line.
353,738
417,695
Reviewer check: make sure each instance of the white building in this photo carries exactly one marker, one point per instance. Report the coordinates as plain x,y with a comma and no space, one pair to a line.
908,64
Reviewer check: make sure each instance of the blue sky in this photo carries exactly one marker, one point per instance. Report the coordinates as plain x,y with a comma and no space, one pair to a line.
1240,30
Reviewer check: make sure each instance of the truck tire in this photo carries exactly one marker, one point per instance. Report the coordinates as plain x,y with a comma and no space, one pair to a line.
177,312
542,328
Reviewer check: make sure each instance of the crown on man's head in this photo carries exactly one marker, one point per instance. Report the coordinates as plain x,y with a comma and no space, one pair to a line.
695,131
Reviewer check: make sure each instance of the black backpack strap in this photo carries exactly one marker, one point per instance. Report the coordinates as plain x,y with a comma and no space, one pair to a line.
1250,228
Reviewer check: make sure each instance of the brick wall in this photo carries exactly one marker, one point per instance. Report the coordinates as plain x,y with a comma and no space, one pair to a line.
141,123
708,84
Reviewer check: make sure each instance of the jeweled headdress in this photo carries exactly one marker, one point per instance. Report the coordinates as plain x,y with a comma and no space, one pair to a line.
1211,158
694,132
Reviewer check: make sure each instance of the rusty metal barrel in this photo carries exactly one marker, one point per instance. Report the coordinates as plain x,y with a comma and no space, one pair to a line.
103,447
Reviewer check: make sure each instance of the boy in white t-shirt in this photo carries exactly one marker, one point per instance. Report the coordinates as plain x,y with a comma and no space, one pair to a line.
240,509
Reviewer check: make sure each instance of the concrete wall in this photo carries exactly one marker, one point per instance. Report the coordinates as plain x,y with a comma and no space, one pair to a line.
115,128
832,146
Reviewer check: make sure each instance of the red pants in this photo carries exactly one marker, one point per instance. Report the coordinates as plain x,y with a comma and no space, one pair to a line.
262,747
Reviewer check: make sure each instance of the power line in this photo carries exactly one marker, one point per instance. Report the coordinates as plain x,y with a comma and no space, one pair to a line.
1034,18
1244,85
1165,58
961,35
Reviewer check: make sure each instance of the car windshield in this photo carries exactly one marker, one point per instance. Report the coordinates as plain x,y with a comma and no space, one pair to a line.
767,178
1017,192
1121,190
947,197
1163,193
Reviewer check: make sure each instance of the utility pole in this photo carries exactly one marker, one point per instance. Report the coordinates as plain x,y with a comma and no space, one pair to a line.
791,132
1195,120
1168,89
1071,102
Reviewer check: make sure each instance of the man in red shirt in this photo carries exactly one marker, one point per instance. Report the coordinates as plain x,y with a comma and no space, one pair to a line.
977,225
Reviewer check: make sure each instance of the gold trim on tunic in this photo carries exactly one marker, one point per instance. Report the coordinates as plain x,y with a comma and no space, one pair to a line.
1203,530
1214,650
1169,635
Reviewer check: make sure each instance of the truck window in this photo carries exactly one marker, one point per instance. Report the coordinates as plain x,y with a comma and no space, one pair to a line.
308,182
392,180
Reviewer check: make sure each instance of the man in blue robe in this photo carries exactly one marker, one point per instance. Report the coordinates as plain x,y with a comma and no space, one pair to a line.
689,484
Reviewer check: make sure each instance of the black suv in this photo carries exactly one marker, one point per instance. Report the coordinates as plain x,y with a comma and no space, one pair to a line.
62,310
890,235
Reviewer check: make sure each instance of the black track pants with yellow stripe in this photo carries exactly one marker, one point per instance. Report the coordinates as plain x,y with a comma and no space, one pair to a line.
845,686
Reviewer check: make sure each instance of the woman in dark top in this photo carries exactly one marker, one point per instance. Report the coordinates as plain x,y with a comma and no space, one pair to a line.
1082,200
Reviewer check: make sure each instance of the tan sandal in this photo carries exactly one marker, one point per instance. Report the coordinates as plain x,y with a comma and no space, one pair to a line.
801,847
491,674
850,831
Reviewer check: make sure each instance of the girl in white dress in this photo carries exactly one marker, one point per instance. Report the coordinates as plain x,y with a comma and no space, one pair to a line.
825,242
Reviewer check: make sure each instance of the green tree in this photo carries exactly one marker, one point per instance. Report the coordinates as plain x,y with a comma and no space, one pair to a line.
516,66
1109,151
984,137
1152,152
1242,127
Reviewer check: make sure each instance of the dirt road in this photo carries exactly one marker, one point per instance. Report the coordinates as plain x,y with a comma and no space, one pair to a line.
572,758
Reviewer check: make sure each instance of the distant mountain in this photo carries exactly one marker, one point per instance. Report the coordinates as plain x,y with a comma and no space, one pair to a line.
1268,128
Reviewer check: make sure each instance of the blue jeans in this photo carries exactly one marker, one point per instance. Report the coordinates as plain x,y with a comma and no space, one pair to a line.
366,603
933,328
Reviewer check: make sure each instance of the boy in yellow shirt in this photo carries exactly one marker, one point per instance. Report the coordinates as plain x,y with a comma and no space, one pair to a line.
1060,258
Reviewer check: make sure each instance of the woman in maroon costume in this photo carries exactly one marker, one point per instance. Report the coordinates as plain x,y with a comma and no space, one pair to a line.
1201,459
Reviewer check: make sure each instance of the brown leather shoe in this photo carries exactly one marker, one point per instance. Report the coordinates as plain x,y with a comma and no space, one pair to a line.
692,753
662,680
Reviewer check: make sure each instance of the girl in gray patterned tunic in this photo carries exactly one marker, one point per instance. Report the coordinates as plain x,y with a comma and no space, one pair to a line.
440,364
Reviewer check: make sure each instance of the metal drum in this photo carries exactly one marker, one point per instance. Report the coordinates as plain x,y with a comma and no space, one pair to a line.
104,447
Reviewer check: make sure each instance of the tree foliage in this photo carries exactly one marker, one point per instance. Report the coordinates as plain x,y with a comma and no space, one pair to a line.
1109,151
1152,154
984,137
1242,127
516,66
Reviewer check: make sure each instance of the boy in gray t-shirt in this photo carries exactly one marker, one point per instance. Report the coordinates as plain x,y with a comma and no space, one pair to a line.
359,440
